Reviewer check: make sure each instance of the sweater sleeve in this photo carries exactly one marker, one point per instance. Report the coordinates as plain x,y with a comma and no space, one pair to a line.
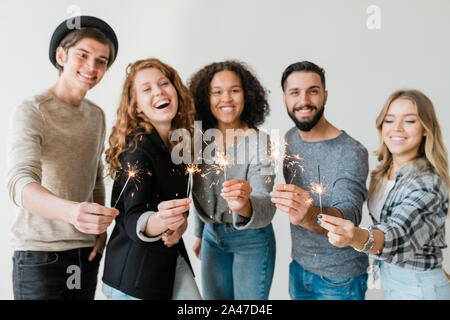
349,189
99,189
25,138
261,178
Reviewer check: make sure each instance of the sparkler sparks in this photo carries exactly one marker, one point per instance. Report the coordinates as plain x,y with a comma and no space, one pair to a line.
191,170
132,173
222,163
277,155
318,189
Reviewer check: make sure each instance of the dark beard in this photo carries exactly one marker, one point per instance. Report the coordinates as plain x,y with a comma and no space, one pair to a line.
307,126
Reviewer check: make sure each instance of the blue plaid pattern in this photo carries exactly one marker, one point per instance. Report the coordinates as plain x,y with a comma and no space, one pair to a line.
413,219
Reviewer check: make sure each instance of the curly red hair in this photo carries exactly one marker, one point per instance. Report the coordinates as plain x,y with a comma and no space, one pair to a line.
131,124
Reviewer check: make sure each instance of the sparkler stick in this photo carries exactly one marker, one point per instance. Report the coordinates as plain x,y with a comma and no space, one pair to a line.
319,190
130,175
223,163
191,170
188,191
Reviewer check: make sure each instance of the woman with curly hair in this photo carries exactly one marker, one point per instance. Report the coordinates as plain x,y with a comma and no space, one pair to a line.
235,238
145,256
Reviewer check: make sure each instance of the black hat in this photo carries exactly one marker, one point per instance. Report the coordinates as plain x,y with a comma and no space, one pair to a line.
76,23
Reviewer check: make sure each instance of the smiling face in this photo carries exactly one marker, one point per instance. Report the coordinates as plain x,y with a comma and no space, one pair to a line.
156,96
305,98
227,98
402,130
84,64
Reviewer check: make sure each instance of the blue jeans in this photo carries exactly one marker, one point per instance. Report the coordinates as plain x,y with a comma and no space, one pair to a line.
184,287
49,275
237,264
404,284
305,285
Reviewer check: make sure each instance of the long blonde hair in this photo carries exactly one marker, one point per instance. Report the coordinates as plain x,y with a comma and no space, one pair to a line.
131,124
432,150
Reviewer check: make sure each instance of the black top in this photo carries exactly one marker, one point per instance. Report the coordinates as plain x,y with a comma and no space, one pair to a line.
145,270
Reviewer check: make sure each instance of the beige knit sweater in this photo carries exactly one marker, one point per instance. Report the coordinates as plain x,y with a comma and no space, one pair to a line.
60,147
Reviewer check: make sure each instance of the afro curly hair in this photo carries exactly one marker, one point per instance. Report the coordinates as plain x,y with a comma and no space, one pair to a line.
256,106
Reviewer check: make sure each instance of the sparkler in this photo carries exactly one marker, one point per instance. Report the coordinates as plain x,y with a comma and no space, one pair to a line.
319,189
132,172
222,164
277,154
191,170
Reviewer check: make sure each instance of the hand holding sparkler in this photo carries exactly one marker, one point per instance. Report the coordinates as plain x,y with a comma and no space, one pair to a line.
343,232
237,193
91,218
170,216
293,200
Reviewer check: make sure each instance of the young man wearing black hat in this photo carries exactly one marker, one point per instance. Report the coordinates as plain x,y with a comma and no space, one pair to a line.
55,170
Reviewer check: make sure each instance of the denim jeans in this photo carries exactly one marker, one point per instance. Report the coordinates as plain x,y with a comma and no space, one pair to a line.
48,275
184,287
237,265
305,285
404,284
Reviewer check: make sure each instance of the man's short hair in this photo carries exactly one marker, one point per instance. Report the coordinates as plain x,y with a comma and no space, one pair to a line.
305,66
73,37
68,34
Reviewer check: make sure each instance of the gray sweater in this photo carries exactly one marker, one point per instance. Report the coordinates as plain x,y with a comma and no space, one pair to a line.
343,168
60,147
249,161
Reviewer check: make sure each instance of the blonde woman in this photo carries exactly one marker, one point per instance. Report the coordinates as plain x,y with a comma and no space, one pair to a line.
408,202
145,256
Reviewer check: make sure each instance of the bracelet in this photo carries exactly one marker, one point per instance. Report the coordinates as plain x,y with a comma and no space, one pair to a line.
369,243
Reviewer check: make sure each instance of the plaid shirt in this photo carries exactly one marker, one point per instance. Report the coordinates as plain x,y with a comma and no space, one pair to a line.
413,220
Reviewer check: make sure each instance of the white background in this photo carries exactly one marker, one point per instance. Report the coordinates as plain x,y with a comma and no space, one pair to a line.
362,66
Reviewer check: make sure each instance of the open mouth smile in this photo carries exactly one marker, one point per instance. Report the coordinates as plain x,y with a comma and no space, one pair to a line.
90,78
305,109
162,104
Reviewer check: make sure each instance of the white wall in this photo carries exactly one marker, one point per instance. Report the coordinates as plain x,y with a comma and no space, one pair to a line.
362,66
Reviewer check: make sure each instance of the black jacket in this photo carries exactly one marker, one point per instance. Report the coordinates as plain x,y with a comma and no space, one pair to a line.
145,270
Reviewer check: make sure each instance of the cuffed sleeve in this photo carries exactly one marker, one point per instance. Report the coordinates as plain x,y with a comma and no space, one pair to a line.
141,226
261,182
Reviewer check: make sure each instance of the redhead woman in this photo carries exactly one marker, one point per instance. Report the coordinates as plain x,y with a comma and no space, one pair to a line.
145,256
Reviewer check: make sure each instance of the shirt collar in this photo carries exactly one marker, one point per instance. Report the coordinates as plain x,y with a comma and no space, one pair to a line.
411,167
